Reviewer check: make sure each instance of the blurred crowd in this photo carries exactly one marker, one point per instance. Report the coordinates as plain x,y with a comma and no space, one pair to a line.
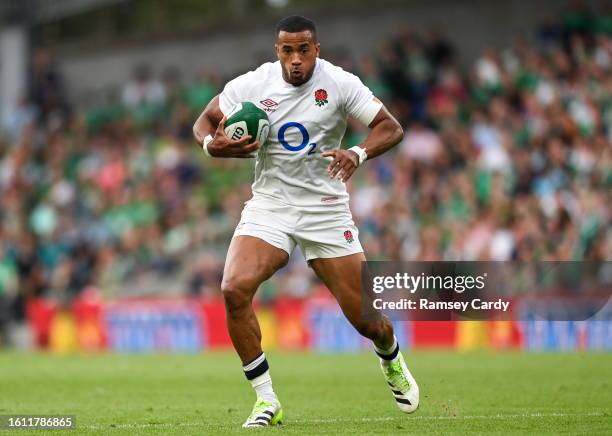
505,158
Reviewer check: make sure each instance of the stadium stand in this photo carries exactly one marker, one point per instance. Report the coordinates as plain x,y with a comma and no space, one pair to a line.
508,158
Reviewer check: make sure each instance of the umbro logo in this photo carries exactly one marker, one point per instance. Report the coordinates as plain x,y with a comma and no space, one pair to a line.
269,105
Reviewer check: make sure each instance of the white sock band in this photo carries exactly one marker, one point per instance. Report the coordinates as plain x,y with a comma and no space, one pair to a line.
390,352
255,362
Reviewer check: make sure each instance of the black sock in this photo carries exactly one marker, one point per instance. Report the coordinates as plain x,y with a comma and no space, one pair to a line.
256,367
389,354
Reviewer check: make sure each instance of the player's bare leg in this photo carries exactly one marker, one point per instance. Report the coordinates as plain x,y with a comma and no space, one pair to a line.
342,275
250,261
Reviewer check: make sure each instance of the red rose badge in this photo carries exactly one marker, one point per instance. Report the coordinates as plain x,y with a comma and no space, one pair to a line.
320,97
348,236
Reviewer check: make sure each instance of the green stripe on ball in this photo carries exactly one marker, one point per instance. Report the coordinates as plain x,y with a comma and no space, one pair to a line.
247,119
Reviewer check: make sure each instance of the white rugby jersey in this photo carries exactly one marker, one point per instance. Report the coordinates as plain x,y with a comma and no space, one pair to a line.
305,121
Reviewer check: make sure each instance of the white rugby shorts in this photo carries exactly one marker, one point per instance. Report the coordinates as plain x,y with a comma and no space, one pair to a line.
319,233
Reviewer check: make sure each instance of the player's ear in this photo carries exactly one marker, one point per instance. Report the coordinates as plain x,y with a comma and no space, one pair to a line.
318,48
277,49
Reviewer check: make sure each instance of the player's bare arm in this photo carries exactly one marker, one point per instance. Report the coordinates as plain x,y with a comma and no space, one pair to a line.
385,133
212,122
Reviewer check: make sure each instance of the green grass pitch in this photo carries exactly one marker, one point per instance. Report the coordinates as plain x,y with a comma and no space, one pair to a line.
561,393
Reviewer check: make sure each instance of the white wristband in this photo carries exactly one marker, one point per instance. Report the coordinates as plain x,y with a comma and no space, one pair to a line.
205,143
360,152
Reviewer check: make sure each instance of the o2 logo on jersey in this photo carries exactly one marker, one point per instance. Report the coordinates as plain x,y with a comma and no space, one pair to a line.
303,132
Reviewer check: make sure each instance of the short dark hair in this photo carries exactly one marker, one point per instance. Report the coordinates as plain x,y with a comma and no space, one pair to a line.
296,23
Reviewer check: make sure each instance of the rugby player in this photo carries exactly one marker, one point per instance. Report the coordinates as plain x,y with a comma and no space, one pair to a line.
300,198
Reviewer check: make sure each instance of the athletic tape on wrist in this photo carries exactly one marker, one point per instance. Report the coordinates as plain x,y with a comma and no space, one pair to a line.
360,152
205,143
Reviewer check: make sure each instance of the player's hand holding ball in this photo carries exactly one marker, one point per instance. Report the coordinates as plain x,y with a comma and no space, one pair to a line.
223,146
240,133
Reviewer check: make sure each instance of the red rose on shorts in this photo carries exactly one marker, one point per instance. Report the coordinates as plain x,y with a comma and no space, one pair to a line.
348,236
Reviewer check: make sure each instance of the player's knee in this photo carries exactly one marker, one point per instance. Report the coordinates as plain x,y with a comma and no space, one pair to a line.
236,301
237,294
